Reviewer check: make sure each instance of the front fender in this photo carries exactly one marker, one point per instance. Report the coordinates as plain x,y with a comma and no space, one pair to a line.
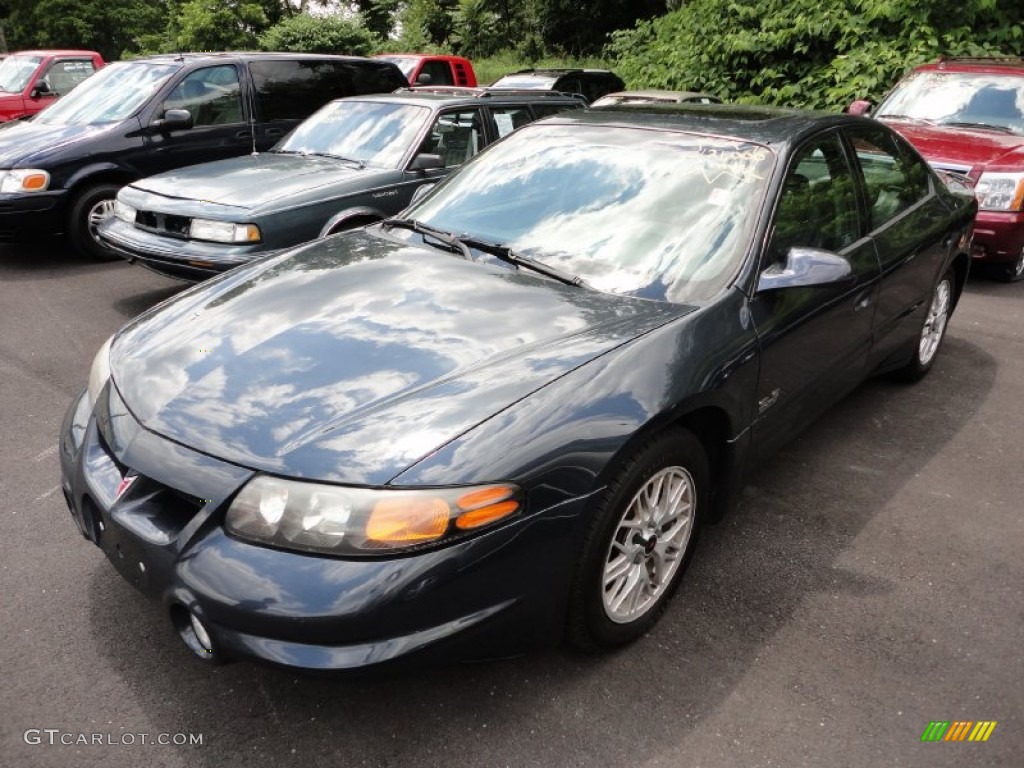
348,214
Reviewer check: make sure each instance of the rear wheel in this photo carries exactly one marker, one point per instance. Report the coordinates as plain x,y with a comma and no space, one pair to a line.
91,208
643,534
1013,272
933,331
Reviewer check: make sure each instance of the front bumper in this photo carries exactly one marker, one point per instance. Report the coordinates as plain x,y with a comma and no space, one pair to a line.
489,596
998,237
29,216
181,259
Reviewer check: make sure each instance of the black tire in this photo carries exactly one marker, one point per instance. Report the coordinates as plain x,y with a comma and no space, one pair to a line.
933,326
1011,273
80,228
609,545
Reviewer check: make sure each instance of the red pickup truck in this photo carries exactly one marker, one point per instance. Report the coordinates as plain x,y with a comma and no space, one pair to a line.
31,80
433,69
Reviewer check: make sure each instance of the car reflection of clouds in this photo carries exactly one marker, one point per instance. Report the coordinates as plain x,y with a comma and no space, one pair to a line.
222,576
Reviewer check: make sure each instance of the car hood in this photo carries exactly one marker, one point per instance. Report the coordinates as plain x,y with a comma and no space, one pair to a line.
251,180
963,148
354,357
25,141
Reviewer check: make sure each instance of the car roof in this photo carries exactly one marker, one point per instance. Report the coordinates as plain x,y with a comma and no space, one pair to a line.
252,56
455,95
558,72
54,52
442,56
660,95
764,125
985,65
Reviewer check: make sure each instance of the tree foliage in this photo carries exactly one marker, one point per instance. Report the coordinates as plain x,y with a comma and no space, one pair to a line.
811,53
331,34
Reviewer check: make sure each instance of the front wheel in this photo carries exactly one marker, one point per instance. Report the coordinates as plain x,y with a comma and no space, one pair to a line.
1011,273
90,209
933,331
640,541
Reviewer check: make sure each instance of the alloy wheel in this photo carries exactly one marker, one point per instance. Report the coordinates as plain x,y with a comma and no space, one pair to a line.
935,322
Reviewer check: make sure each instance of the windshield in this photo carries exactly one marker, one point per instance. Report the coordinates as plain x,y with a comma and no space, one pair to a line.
373,133
652,214
15,72
959,97
527,82
404,63
112,94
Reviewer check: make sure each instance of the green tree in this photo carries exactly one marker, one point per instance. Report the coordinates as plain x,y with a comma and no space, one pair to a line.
329,34
378,15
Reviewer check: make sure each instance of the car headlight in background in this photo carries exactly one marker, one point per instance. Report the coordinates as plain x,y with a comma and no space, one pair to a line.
1000,191
100,372
24,180
124,212
223,231
314,517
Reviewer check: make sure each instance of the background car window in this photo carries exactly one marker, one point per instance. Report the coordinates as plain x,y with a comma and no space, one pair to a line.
211,95
959,98
507,119
112,94
893,178
63,75
15,72
439,71
817,207
295,89
455,136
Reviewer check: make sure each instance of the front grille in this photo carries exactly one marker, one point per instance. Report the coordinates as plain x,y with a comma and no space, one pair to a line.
163,223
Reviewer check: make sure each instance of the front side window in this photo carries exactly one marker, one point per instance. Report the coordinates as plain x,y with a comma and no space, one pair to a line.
817,206
893,178
507,119
455,136
655,214
16,71
64,74
377,134
965,99
111,95
211,95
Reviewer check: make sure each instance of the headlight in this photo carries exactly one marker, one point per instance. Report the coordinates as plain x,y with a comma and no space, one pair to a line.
1000,191
124,212
24,180
100,372
223,231
338,520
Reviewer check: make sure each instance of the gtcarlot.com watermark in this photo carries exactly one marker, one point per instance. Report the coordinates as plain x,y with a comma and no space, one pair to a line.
57,737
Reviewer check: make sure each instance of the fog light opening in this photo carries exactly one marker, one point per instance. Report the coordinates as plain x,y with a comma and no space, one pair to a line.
195,634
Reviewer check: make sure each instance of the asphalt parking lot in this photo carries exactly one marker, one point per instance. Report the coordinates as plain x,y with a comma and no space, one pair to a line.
870,581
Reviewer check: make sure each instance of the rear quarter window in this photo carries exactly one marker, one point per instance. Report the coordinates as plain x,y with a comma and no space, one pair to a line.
294,89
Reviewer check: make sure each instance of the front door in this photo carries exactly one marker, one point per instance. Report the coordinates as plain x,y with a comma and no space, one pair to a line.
814,340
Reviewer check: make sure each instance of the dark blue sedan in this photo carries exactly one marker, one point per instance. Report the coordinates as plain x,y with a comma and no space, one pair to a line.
504,417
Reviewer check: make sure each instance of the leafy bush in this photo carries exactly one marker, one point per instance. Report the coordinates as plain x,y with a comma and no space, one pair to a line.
808,53
329,34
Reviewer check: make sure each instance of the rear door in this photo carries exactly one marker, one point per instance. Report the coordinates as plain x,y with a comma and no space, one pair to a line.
814,340
908,224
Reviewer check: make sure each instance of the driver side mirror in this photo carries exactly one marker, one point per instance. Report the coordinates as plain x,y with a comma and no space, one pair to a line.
40,89
173,120
423,79
426,162
859,107
805,267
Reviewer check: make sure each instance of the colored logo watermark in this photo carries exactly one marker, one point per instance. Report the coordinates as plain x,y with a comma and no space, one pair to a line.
958,730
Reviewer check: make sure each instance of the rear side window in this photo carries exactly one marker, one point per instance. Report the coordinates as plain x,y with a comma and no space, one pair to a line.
893,177
295,89
507,119
439,71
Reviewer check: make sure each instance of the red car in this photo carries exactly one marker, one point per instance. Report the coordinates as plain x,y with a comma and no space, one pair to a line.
32,80
433,69
967,116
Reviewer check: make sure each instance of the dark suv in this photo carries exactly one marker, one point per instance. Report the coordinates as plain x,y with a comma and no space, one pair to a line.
60,170
591,83
356,161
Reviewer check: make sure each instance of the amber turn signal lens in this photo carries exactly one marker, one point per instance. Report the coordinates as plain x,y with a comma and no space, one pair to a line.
486,515
484,497
34,182
407,520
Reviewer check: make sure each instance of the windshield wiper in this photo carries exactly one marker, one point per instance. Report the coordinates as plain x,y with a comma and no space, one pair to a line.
505,253
357,163
983,126
445,238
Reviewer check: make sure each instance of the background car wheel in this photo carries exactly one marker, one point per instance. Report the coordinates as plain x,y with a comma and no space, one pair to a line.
640,541
1011,273
933,331
90,208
